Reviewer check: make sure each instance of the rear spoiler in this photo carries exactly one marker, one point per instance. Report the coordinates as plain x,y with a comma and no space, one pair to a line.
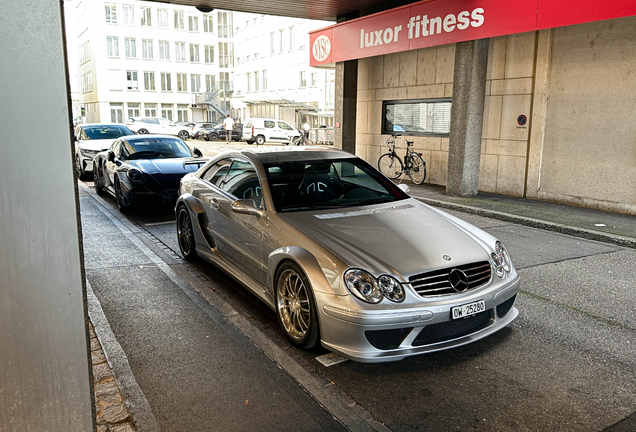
195,161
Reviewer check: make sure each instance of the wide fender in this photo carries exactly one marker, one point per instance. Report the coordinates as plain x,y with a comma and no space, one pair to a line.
198,217
191,202
323,278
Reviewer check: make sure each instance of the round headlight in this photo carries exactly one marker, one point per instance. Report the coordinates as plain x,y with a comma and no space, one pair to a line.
363,285
501,251
391,289
496,262
135,175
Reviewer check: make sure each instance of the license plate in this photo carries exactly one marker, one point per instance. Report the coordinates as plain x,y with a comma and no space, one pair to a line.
467,310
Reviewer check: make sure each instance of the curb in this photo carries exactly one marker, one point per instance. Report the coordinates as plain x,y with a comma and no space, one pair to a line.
535,223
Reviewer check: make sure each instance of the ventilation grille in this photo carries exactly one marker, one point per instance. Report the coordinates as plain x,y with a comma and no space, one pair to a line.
437,282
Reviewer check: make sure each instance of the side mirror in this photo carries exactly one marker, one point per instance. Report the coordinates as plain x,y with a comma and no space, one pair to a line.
404,187
247,206
111,156
197,152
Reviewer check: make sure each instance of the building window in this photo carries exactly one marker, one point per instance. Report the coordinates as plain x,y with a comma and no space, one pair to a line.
149,81
164,50
146,48
131,80
209,54
162,17
291,38
195,83
112,46
264,80
330,90
224,78
150,110
303,79
182,82
209,83
193,23
256,81
182,113
417,117
179,51
314,79
166,84
166,111
111,13
225,24
226,56
129,15
194,53
280,41
249,81
271,43
130,46
208,23
146,16
133,110
117,112
178,20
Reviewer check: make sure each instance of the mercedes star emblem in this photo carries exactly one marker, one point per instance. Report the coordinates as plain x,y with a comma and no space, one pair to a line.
458,280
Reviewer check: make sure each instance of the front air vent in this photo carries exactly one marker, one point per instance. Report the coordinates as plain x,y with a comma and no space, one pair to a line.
438,282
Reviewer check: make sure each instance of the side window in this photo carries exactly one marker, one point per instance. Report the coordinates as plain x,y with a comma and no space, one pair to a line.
249,124
284,125
269,124
216,172
242,182
115,148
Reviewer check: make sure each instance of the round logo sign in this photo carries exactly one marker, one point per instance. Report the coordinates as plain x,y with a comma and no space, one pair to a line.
522,120
321,48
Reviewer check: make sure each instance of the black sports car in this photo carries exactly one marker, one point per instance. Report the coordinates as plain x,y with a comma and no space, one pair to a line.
143,170
218,132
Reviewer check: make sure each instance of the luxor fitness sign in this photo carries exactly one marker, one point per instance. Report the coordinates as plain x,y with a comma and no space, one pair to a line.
439,22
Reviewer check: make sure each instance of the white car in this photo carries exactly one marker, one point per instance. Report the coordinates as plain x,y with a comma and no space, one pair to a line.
157,125
262,130
91,139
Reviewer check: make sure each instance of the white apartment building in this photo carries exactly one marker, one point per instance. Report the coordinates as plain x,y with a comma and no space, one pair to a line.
140,58
272,73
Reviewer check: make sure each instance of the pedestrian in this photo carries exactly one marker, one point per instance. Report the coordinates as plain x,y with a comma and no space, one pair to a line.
306,128
228,124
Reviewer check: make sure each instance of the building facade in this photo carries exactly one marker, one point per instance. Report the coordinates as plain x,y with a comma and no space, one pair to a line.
140,58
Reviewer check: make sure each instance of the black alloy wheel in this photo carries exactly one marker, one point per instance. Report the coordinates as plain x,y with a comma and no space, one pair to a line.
295,306
214,137
185,235
142,131
97,183
184,135
80,171
121,204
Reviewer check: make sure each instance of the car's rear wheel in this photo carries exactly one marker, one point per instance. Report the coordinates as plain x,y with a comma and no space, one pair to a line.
184,135
122,205
295,306
260,140
185,234
142,131
214,137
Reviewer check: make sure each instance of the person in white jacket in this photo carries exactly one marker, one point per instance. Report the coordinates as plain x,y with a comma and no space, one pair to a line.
228,124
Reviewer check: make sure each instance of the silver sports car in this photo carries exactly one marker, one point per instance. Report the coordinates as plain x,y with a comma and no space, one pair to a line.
344,256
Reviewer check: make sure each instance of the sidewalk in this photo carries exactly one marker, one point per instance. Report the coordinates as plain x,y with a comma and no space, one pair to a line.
577,221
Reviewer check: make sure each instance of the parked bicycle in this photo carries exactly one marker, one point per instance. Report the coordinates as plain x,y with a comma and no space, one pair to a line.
391,165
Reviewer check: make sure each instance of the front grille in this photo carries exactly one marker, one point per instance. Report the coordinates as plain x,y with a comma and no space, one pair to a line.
387,339
448,330
437,282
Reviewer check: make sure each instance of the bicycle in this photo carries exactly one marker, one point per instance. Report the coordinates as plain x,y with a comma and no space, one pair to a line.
391,165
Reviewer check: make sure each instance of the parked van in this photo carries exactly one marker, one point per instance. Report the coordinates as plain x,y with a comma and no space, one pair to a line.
262,130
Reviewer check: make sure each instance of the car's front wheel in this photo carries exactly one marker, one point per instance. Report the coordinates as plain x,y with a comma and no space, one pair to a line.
142,131
213,137
97,180
122,205
80,171
184,135
185,234
295,306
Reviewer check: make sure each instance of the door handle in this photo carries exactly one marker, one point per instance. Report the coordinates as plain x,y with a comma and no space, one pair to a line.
214,203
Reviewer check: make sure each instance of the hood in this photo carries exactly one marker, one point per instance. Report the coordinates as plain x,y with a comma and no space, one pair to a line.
98,145
163,166
404,238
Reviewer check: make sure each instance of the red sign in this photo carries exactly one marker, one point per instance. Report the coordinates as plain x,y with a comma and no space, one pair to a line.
439,22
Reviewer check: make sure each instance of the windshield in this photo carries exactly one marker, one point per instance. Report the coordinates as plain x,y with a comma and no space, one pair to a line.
326,184
105,132
155,148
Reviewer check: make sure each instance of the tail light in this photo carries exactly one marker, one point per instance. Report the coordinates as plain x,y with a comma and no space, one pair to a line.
419,154
252,130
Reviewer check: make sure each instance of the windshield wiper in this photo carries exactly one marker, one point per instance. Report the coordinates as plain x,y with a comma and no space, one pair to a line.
314,207
367,202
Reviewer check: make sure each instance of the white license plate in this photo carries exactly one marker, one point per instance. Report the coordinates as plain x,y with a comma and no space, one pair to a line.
467,310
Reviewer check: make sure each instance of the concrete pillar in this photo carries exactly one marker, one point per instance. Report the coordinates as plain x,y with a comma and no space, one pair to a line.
346,100
467,117
45,380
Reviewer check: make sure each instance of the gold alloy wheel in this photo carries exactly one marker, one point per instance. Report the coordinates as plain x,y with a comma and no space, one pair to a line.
293,305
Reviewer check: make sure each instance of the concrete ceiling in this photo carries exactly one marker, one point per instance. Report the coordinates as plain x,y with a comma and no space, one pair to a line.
328,10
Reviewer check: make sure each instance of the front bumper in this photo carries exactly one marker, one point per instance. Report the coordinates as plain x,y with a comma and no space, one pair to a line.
371,336
142,196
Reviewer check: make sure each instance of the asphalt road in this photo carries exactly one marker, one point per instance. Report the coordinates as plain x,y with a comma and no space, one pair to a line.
567,364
